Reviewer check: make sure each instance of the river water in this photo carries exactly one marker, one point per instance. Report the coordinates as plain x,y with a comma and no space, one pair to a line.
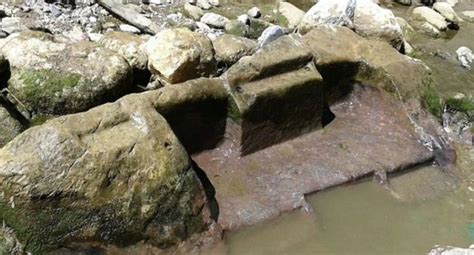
366,218
419,209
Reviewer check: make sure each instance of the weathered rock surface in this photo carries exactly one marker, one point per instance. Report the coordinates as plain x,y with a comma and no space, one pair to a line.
447,11
270,34
130,46
343,57
115,174
262,185
12,25
202,102
237,28
214,20
407,30
328,12
426,14
229,48
203,4
280,76
373,21
9,126
257,26
177,55
193,12
465,56
469,15
51,77
291,13
367,18
254,12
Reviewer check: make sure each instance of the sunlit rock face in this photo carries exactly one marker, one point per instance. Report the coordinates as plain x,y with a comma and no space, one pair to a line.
53,77
115,174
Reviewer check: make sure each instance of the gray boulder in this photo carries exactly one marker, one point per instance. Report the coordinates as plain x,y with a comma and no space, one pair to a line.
271,34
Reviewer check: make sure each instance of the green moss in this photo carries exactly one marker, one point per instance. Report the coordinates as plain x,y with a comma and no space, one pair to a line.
40,120
432,101
234,112
465,104
281,20
43,84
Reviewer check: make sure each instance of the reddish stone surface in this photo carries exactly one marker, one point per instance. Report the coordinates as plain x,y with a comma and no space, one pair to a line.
371,132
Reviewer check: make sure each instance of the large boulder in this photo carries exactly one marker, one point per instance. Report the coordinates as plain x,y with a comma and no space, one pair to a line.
425,14
373,21
229,48
447,11
291,13
51,77
328,12
9,126
367,18
178,55
276,94
128,45
214,20
114,174
193,11
343,57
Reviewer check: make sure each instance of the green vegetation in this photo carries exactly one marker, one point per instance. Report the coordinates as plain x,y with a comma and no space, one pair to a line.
43,84
432,101
465,104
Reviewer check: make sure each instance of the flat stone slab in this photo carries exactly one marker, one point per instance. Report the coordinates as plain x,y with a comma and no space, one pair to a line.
371,132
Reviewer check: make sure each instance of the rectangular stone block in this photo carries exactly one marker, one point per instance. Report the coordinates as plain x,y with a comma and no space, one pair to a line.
276,95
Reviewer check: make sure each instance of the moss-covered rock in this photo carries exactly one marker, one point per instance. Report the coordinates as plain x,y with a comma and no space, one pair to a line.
115,174
51,77
237,28
9,126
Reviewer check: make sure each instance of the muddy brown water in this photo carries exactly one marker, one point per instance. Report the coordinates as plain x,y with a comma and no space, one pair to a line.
366,218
